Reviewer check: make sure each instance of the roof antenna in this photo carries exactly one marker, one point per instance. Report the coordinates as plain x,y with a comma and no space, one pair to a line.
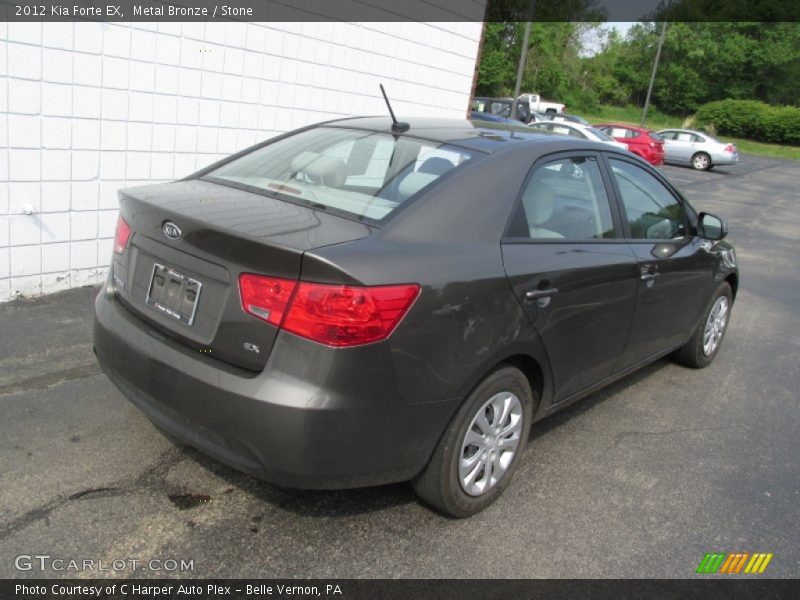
397,127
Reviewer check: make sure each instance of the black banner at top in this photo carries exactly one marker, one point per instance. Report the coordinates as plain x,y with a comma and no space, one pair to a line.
398,10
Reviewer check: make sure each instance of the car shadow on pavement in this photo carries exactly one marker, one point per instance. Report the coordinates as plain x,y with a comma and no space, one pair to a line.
564,415
351,502
307,503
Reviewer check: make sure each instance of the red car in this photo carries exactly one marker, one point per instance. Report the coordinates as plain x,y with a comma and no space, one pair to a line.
642,142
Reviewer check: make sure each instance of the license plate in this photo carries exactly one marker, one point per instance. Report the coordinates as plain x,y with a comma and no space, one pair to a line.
173,294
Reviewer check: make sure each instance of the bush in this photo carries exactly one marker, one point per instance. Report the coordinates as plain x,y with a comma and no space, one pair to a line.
752,120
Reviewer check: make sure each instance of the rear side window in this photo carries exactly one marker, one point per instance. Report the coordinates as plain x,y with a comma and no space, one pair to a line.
360,173
650,208
565,200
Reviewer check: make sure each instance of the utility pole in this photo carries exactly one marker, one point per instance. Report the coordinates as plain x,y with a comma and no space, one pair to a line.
655,68
522,55
521,67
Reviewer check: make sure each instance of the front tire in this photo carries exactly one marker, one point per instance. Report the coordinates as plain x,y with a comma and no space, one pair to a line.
482,447
706,340
701,161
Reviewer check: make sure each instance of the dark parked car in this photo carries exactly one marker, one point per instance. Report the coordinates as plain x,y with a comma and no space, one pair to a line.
349,305
503,107
477,115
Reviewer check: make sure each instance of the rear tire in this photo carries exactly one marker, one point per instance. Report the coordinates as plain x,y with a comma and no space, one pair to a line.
701,162
706,340
487,436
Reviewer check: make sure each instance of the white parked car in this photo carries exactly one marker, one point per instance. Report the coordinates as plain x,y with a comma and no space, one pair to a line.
698,149
586,132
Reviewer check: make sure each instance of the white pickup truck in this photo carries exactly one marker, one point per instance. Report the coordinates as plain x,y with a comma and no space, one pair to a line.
536,104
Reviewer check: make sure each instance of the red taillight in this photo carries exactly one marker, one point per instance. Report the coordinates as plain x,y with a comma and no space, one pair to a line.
341,315
335,315
122,235
265,298
729,148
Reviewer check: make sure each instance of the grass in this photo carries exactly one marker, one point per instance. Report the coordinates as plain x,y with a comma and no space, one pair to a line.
632,115
657,120
762,149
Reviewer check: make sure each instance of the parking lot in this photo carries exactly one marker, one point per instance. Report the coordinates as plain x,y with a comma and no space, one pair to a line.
638,480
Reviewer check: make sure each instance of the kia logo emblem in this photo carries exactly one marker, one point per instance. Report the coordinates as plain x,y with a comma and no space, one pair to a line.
171,230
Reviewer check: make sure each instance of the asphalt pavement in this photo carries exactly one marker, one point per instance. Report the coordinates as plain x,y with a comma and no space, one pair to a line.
638,480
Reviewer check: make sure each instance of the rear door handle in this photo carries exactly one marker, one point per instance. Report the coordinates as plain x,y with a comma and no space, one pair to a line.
538,294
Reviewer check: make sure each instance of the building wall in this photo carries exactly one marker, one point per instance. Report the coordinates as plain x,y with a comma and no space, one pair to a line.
88,108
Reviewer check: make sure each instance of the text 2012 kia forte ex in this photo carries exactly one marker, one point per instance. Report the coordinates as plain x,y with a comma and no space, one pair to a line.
357,303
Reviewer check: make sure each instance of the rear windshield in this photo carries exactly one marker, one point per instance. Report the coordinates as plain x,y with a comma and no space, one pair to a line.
359,173
654,136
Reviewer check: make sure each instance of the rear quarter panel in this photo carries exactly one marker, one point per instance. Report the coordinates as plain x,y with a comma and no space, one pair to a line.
466,319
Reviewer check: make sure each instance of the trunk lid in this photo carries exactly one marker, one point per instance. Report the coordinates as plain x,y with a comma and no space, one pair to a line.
190,241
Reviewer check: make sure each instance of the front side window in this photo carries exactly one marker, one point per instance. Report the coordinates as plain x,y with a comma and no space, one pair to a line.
565,200
620,132
360,173
653,213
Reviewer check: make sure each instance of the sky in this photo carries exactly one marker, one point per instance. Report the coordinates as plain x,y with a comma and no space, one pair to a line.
591,43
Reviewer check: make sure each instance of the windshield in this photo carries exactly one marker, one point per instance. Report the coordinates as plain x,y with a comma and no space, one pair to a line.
601,135
501,108
360,173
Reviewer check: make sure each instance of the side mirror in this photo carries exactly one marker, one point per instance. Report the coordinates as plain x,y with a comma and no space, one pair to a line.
712,227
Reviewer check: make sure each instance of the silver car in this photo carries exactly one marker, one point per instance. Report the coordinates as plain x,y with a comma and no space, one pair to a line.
698,149
585,132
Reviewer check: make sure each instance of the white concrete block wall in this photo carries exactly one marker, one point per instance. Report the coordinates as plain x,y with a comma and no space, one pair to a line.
89,108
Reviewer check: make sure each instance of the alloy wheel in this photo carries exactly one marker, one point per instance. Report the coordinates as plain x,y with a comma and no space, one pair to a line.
715,326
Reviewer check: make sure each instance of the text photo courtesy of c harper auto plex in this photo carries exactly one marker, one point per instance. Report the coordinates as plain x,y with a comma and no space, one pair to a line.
363,299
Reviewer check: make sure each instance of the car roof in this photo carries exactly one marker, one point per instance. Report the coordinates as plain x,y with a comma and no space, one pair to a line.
622,126
484,136
683,131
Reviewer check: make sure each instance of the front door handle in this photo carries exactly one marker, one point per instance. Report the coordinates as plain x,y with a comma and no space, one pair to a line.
650,275
538,294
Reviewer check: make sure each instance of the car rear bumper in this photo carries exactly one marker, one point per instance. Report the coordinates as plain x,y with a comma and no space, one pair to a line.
726,158
316,417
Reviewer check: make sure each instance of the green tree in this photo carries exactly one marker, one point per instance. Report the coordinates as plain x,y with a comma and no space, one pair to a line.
700,62
497,69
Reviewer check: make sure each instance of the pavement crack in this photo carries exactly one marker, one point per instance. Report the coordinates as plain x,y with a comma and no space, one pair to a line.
102,492
152,477
51,379
30,517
